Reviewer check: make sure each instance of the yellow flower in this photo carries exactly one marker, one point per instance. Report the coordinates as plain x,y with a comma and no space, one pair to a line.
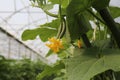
79,44
55,44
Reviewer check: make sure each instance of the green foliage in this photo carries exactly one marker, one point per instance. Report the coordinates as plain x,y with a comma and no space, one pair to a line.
77,28
64,3
76,6
44,32
80,26
100,4
80,63
91,62
117,75
48,7
115,11
48,71
54,24
19,69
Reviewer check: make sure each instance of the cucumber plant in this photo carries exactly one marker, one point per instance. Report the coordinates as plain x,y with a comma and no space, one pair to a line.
81,21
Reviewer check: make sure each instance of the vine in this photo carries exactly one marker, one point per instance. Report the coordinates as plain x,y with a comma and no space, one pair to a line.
84,59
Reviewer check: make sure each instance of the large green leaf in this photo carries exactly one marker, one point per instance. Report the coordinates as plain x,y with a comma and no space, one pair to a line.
78,26
78,6
87,63
48,71
75,7
44,32
100,4
115,11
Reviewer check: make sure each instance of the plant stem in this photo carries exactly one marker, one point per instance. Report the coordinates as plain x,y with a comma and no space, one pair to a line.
86,41
47,12
84,36
51,14
96,16
98,25
111,24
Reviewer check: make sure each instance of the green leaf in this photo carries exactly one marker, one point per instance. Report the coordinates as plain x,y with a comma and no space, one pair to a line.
84,24
78,26
61,78
88,15
29,34
87,63
64,3
48,71
117,76
75,7
47,6
44,32
100,4
118,25
54,1
54,24
102,44
115,11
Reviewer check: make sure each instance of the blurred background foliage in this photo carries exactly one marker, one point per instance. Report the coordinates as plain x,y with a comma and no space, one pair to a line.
24,69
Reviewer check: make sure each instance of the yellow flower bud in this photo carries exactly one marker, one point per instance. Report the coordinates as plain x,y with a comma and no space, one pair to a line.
79,44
